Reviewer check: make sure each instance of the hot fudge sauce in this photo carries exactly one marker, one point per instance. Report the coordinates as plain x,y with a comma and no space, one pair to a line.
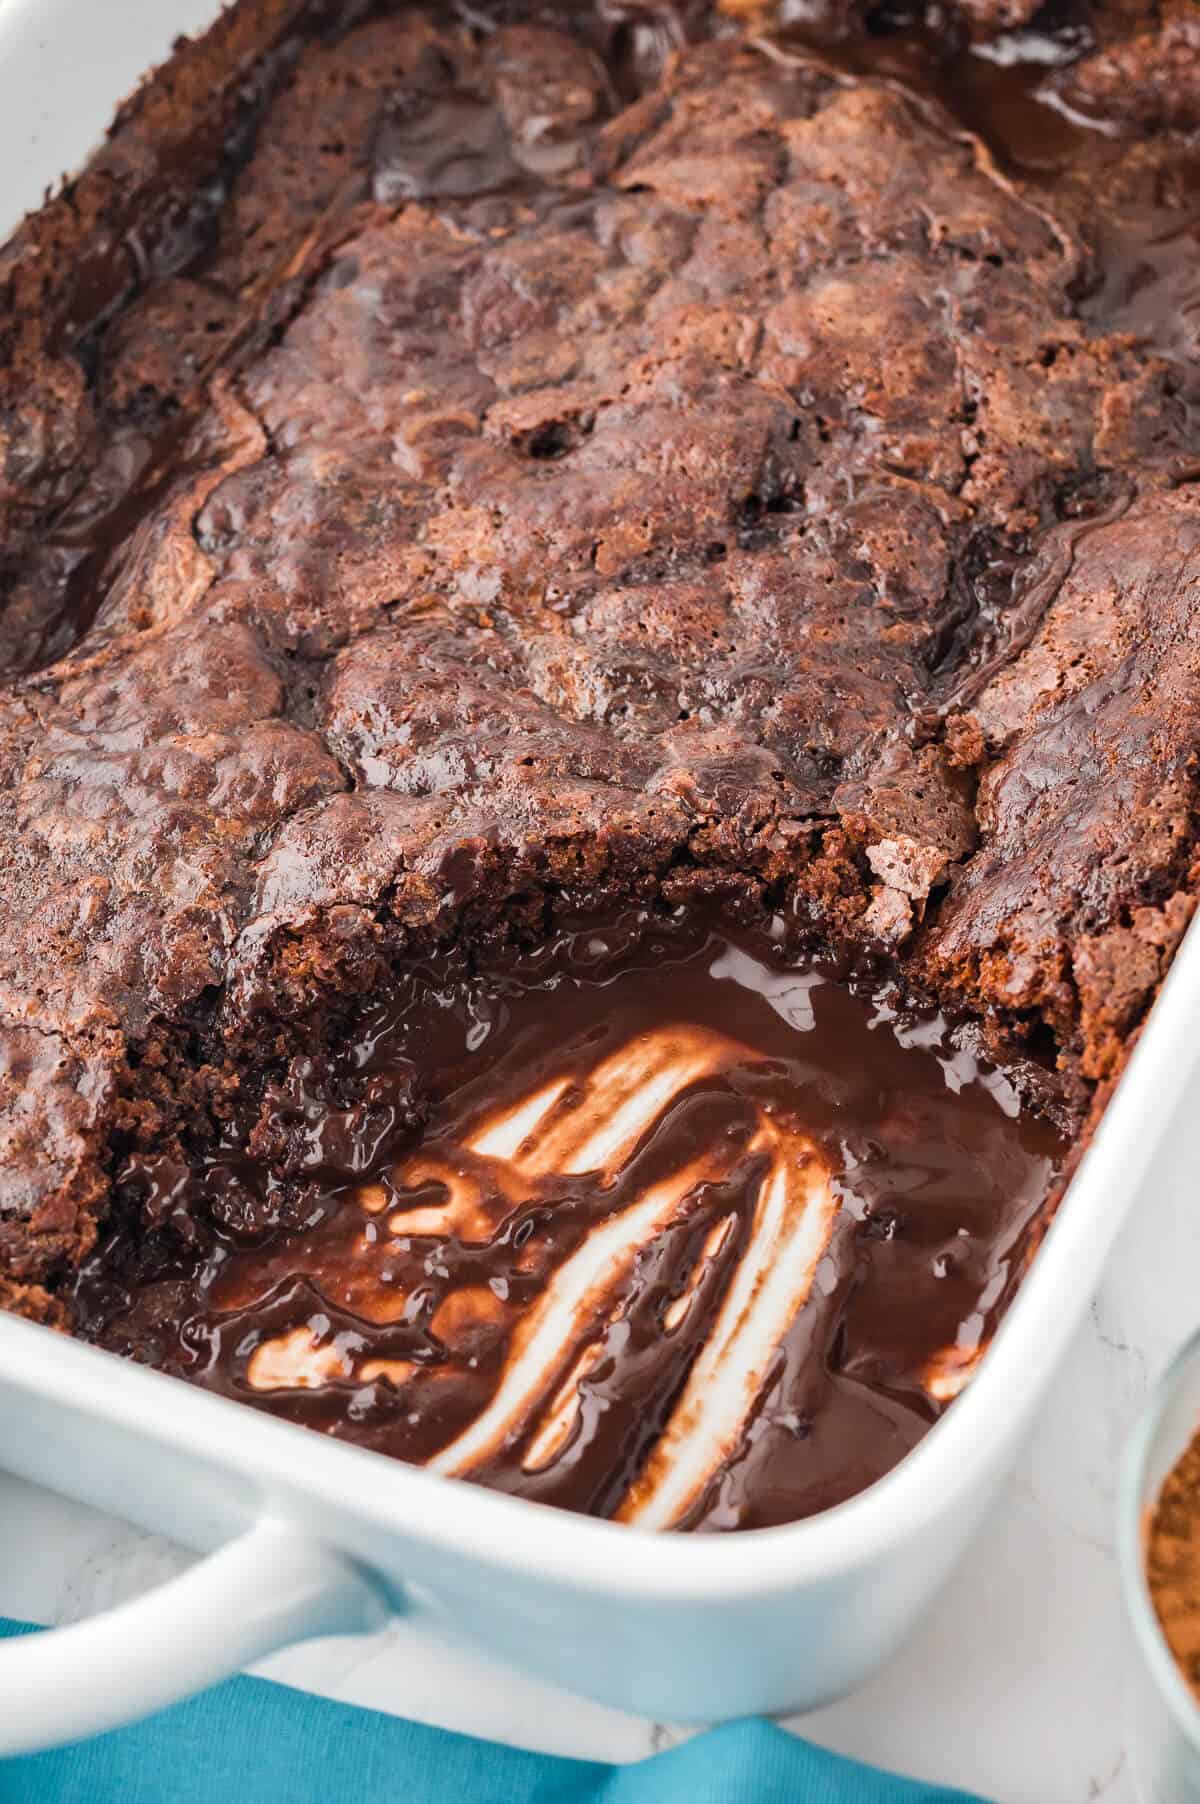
649,1224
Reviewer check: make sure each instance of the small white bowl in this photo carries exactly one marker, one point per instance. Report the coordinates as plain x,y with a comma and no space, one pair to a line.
1164,1715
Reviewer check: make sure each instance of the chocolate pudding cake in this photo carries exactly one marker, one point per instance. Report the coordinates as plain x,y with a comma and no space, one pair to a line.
600,646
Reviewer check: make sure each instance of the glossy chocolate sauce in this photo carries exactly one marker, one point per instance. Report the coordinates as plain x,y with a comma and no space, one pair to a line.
650,1225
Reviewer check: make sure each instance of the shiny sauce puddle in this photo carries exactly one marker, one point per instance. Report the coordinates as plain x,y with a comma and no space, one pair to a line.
651,1224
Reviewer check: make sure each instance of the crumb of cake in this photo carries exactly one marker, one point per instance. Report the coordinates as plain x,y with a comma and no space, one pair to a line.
1173,1562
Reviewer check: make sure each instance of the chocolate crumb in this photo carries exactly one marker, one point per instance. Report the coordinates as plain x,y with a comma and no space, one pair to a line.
1173,1562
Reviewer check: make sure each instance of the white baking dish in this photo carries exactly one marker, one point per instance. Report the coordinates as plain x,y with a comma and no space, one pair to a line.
305,1534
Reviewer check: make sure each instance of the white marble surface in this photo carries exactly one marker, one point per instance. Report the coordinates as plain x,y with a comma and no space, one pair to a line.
1013,1688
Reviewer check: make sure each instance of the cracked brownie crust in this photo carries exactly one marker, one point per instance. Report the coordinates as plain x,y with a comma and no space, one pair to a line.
458,475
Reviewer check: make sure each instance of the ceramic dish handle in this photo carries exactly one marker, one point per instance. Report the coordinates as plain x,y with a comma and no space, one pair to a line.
269,1587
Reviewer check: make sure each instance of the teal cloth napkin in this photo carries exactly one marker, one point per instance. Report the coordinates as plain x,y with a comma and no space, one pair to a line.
254,1742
